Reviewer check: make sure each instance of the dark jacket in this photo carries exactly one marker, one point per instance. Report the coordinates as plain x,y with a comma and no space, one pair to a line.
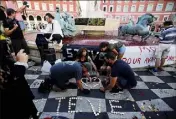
15,94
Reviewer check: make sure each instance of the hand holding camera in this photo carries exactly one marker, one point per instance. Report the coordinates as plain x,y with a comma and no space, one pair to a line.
26,4
22,57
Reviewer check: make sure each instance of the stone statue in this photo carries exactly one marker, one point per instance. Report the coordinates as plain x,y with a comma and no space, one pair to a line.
140,28
67,23
131,23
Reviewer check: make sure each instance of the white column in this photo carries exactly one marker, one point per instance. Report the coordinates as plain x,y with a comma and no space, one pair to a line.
29,25
35,20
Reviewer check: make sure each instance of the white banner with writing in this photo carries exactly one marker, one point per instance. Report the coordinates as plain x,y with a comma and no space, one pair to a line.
143,56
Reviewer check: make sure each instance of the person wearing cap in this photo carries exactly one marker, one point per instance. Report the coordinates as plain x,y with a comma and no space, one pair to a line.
167,37
62,72
12,29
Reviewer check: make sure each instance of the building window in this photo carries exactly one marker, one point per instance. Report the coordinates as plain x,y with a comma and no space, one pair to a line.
159,7
39,18
118,17
36,5
111,1
126,1
104,8
24,17
125,8
111,9
29,3
134,1
141,0
157,18
64,7
104,1
51,7
141,8
20,4
165,18
44,7
150,7
169,6
119,1
58,5
118,9
71,8
133,8
31,18
123,18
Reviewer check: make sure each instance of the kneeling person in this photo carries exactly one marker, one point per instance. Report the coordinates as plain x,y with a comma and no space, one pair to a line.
122,76
62,72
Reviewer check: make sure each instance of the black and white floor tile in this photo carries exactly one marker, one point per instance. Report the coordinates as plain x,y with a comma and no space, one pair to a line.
153,98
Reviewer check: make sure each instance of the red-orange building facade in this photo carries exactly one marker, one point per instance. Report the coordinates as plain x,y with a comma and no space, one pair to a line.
126,9
38,8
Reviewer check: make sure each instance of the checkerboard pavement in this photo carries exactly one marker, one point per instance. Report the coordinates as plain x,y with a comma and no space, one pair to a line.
153,98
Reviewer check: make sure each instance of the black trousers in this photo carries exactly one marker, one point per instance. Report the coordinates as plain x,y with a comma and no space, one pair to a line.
19,44
45,52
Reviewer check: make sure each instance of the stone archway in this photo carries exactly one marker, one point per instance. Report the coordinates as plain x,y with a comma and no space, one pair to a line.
31,18
39,18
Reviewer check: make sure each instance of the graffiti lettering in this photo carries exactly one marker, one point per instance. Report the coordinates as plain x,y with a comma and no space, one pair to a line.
149,49
134,61
170,58
70,53
149,60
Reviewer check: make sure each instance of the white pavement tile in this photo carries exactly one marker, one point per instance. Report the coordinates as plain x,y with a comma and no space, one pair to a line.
35,68
141,85
173,85
127,115
119,96
45,73
36,83
85,106
162,73
135,74
140,69
68,93
159,104
40,104
73,80
163,93
64,114
31,76
151,79
169,68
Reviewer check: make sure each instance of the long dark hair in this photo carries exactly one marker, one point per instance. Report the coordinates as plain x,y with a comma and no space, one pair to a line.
103,44
79,54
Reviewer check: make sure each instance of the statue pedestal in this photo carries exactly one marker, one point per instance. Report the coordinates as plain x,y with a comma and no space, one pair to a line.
110,25
94,33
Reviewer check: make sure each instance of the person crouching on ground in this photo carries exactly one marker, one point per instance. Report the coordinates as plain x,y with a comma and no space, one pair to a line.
62,72
117,48
167,37
122,76
82,57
